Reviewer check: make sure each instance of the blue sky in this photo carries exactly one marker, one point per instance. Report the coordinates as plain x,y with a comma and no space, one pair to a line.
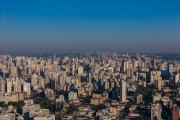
66,26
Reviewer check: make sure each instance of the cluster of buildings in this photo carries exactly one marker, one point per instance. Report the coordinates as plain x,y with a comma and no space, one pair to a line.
105,86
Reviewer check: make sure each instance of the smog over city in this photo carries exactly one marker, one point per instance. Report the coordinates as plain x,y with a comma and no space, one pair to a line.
89,60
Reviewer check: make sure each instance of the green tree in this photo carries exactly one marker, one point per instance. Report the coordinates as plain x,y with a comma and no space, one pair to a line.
71,109
16,104
98,107
3,104
155,118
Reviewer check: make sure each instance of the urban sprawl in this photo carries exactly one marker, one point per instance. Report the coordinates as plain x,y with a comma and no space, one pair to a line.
90,86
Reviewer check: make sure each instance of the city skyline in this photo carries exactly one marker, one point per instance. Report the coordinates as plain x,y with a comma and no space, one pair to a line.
89,60
32,27
105,86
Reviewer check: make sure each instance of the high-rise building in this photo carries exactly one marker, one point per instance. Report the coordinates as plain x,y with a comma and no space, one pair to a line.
177,78
73,70
125,66
139,98
72,95
123,91
27,88
171,68
9,86
156,110
175,112
153,63
14,71
80,70
156,98
2,85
